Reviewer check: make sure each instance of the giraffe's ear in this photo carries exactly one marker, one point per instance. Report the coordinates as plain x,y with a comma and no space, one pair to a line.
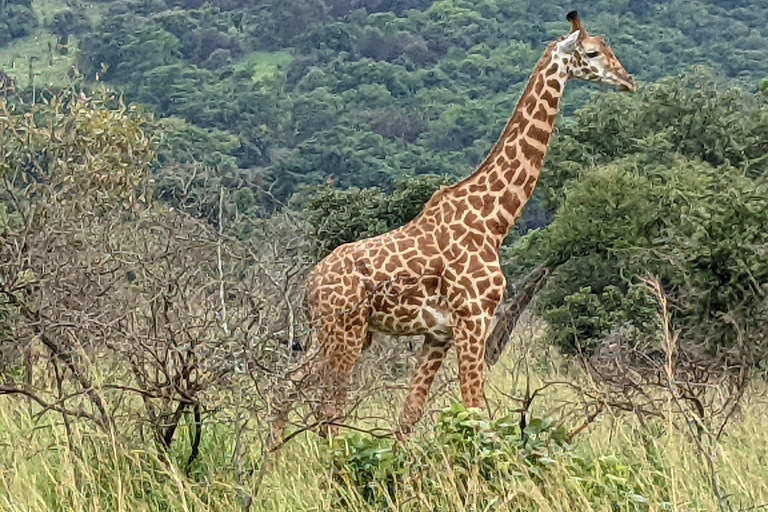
568,44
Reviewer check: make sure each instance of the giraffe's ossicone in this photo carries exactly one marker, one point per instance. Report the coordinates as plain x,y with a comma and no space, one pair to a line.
439,275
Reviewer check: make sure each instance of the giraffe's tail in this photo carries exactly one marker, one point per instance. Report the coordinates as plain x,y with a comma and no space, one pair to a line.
510,312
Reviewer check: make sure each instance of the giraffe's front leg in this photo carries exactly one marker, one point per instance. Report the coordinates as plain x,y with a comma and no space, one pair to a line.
469,334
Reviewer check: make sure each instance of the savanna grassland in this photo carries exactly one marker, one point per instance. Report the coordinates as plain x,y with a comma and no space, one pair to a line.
171,169
636,467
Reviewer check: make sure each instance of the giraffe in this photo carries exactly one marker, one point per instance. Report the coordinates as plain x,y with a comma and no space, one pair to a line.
439,275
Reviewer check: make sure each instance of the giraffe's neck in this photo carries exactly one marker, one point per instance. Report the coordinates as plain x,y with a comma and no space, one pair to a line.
498,190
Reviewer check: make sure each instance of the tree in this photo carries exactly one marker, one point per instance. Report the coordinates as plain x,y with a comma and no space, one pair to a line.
99,281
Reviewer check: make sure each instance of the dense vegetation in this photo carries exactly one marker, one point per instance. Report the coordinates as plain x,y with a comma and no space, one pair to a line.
366,93
16,20
669,183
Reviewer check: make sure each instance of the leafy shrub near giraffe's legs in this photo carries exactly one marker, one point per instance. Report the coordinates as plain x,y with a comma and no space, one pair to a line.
467,453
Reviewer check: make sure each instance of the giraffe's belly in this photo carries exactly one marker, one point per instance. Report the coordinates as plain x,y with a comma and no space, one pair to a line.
413,315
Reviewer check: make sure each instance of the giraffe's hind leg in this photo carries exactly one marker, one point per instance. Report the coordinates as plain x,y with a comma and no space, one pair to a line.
341,348
430,359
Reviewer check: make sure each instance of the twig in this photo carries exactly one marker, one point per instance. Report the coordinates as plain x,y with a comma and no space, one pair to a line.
220,264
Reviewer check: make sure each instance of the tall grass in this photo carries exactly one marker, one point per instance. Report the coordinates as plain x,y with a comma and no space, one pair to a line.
42,467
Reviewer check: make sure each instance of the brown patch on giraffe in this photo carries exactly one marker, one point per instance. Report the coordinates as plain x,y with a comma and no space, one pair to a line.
472,221
489,303
460,192
435,356
530,104
405,244
461,259
511,202
538,86
393,264
409,255
412,299
554,85
552,70
475,265
474,188
459,230
364,267
538,134
431,285
482,284
498,185
417,264
551,100
528,188
488,255
511,151
476,202
488,206
511,131
496,227
534,154
541,115
475,240
443,239
520,178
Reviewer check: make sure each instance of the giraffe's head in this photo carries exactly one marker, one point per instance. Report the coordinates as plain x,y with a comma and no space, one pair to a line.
590,58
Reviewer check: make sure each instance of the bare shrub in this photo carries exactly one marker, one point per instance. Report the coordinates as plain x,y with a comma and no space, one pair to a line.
138,314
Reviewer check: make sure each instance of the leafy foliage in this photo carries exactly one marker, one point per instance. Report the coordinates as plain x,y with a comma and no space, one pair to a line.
700,229
496,452
368,92
689,115
340,216
16,20
57,144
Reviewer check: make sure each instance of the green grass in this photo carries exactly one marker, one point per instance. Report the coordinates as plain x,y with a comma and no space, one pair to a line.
49,68
41,469
264,65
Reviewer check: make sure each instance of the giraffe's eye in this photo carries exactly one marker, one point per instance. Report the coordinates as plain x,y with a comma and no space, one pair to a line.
592,54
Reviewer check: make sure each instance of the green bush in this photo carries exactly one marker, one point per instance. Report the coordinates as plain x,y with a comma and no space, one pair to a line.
700,229
340,216
688,115
16,21
469,448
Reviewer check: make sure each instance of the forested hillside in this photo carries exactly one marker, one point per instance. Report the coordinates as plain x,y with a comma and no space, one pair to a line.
293,92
